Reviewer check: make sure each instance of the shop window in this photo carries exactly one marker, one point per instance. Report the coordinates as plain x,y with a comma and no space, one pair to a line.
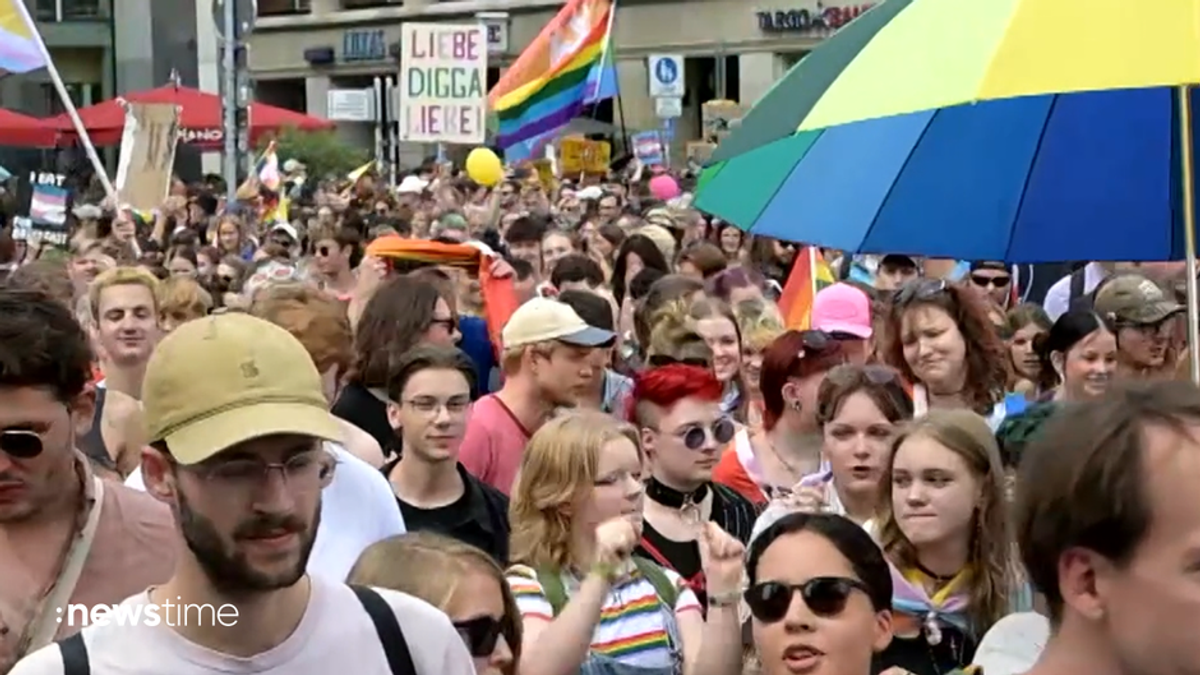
280,7
68,10
360,4
81,94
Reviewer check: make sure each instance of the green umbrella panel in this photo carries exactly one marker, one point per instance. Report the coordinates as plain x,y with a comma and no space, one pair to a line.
780,111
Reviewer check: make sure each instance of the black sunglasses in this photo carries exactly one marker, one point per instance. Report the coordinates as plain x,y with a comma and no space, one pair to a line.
722,432
20,443
815,341
480,635
918,290
825,596
992,282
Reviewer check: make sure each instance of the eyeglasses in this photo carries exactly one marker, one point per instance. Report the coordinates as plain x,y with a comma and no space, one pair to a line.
694,436
449,323
825,596
918,290
430,405
306,472
875,374
991,282
20,443
480,635
660,360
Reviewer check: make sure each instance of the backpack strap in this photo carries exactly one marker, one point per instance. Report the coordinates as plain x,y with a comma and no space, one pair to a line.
1078,281
553,589
74,655
663,588
395,647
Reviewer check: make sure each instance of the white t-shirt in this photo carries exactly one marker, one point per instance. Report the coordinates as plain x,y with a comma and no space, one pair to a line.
335,634
357,510
1058,297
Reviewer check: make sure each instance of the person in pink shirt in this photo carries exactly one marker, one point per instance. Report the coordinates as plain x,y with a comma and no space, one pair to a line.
844,312
546,360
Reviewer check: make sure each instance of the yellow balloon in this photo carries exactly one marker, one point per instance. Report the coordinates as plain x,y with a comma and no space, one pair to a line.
484,167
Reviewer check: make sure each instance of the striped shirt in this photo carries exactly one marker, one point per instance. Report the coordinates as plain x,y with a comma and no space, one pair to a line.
631,630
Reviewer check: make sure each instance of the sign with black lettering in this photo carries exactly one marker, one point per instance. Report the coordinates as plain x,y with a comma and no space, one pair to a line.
47,202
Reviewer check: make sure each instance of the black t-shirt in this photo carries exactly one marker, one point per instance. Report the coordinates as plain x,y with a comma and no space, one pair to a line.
358,406
478,518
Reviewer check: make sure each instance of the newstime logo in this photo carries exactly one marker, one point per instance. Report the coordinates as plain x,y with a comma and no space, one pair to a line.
172,614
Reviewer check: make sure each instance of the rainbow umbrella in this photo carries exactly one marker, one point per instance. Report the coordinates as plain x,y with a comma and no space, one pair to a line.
1018,130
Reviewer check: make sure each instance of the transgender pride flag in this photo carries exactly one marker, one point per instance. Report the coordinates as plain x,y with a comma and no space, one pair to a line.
20,45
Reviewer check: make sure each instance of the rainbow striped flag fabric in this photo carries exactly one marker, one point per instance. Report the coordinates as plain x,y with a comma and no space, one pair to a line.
810,274
566,67
20,44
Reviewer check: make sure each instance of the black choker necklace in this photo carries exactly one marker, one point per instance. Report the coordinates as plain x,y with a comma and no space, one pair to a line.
672,498
938,579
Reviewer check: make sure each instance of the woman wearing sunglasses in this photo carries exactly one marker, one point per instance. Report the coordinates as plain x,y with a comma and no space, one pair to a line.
587,604
820,597
677,409
457,578
787,451
940,338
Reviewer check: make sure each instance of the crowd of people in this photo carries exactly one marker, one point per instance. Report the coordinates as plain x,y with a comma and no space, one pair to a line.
642,471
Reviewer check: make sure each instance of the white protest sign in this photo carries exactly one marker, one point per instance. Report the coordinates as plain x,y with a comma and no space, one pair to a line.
443,83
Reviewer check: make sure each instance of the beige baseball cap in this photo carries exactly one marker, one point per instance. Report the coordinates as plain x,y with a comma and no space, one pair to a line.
545,320
219,381
1134,299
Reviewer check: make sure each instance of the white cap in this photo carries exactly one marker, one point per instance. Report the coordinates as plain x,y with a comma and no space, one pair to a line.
411,185
545,320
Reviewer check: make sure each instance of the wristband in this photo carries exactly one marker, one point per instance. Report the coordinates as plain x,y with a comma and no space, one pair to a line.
729,599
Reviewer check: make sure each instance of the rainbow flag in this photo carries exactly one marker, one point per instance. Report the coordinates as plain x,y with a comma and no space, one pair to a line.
20,45
810,274
566,67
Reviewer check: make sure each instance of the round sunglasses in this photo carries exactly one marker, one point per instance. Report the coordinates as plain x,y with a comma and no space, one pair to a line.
20,443
722,432
480,635
825,596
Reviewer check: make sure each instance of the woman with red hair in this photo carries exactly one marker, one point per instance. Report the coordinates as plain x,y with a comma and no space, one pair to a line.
787,450
677,410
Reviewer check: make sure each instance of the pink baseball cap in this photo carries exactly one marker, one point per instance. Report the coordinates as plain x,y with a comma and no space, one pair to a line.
842,308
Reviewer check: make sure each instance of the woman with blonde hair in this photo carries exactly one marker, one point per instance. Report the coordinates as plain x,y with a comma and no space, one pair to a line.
945,533
586,604
759,324
457,578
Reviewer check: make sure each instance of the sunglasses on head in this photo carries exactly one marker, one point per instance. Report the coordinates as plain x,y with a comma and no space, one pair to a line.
20,443
875,374
659,360
814,342
825,596
991,282
722,432
918,290
480,635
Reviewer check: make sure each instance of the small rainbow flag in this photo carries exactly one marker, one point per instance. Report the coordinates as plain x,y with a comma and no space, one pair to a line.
20,45
810,274
565,68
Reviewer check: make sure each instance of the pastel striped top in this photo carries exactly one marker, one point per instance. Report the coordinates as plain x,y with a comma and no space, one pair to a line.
631,630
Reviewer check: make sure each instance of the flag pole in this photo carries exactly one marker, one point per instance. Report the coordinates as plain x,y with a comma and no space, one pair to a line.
69,105
604,58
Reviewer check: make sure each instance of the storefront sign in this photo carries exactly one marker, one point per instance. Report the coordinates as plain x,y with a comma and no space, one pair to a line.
364,45
497,31
443,74
816,19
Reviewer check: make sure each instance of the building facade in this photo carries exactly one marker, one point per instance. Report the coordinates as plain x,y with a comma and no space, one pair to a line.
301,49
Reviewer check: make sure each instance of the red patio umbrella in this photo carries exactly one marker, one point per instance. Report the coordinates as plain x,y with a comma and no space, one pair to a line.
200,116
25,131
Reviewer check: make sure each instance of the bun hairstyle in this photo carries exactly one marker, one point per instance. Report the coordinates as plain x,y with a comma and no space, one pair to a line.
1070,328
674,338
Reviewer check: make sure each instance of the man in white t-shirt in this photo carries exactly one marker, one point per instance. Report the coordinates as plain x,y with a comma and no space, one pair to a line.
237,422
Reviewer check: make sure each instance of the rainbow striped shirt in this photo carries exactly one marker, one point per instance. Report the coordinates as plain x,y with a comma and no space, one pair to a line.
631,629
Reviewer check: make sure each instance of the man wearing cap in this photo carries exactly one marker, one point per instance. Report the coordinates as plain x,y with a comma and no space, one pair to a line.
894,271
547,364
1140,314
236,418
844,312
